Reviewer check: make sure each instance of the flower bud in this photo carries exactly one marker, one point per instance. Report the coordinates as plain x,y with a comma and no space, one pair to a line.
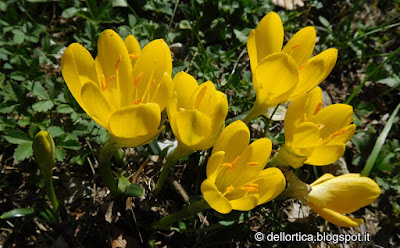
44,153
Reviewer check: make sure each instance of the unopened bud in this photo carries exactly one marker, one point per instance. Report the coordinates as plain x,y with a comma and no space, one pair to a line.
44,153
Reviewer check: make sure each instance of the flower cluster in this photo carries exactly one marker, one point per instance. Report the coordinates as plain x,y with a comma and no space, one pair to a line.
125,90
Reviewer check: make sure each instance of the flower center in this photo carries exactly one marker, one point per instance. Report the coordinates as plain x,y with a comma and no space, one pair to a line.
146,95
232,165
106,83
250,187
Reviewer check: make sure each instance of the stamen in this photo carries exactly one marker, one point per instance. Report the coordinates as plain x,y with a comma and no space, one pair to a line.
135,102
301,67
235,161
110,79
116,66
318,108
339,132
200,97
320,141
305,117
292,49
137,80
253,163
146,93
228,190
133,56
320,126
250,187
227,165
103,82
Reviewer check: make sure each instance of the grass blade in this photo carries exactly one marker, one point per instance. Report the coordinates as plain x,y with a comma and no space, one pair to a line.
379,143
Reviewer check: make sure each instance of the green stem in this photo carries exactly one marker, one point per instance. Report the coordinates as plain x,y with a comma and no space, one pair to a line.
269,119
253,113
177,154
52,195
185,212
105,155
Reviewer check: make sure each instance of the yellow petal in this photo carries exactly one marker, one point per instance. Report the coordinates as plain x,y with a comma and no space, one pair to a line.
204,97
334,117
96,105
277,76
323,178
326,154
313,103
214,198
269,36
252,50
112,55
172,106
235,133
271,183
162,92
305,138
294,116
315,71
77,67
185,85
135,120
335,217
132,45
214,162
249,164
191,127
133,48
345,194
136,141
301,45
219,110
345,137
245,203
154,60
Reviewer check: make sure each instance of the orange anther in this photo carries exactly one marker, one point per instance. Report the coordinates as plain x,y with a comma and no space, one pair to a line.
116,66
137,80
235,161
250,189
318,108
252,185
227,165
253,163
228,190
133,56
339,132
137,101
305,117
103,82
110,79
301,67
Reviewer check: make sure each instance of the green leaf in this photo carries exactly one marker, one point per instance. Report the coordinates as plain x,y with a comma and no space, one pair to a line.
379,143
69,12
43,106
64,109
242,35
17,137
55,131
61,154
119,3
23,151
17,76
19,36
18,212
184,24
324,21
133,190
39,91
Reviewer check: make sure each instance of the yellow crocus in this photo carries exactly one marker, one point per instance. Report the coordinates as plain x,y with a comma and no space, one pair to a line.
278,78
196,113
332,197
236,178
314,133
125,88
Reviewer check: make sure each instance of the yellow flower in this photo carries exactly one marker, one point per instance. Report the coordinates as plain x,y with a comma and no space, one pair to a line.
315,133
236,178
196,113
280,75
124,89
267,39
332,197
